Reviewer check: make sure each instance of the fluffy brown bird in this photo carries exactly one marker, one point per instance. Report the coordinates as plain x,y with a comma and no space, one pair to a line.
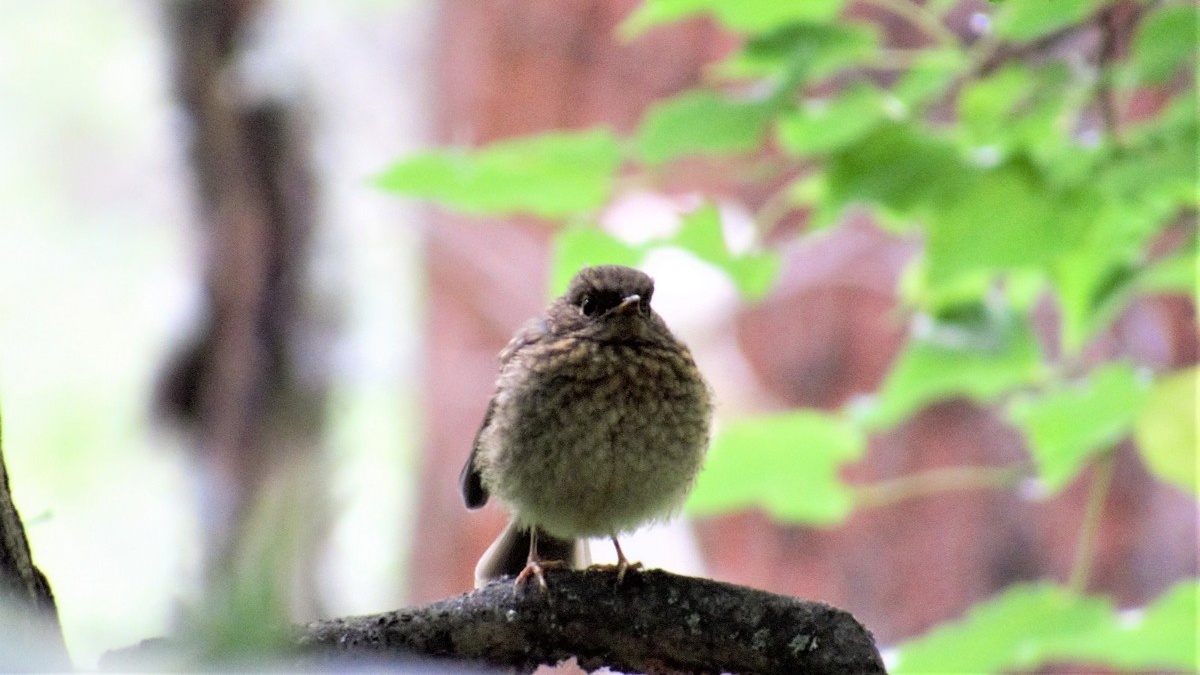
599,424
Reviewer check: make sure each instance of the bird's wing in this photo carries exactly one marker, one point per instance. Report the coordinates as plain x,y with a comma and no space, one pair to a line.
470,480
474,492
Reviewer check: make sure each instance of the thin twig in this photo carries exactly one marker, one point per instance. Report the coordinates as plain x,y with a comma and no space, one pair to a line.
920,17
935,481
1081,568
897,59
1106,98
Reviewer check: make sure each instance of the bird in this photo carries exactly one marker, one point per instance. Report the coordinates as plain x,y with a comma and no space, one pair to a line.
599,424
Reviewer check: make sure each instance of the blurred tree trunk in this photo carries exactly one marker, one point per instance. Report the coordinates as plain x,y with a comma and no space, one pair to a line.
251,387
30,634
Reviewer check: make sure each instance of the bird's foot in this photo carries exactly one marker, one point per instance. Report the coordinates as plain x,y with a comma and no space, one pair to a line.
622,566
535,569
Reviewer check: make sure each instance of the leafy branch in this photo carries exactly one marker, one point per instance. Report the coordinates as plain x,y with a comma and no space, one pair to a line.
972,148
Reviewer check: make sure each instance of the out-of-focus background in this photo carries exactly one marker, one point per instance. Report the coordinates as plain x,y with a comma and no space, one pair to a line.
105,255
238,376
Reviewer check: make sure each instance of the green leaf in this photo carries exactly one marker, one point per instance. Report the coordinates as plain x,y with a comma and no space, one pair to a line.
820,126
1175,274
897,167
1166,429
1095,283
1157,637
931,74
1165,43
979,354
1071,423
1023,21
1159,163
551,175
935,300
786,464
702,235
801,52
1093,286
985,105
702,122
1025,110
1006,218
1010,631
579,247
743,16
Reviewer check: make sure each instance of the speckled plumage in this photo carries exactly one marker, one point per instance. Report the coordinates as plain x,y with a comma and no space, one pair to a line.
600,418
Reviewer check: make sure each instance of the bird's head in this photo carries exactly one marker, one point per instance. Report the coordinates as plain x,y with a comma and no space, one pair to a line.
610,301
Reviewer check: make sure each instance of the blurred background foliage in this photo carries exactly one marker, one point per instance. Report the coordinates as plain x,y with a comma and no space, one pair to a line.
1013,156
1042,161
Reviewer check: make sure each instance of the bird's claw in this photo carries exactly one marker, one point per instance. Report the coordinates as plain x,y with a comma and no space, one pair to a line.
624,566
621,567
536,569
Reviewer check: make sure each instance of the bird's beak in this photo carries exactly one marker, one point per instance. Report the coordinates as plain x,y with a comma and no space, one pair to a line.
629,304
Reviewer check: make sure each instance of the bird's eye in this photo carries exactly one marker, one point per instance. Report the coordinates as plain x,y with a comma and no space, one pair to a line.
588,305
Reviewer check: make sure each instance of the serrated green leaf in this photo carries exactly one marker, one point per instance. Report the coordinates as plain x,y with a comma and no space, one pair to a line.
1006,218
702,235
981,356
552,175
579,247
1069,424
1166,429
786,464
1165,43
822,126
744,16
1158,637
1008,632
1023,21
702,122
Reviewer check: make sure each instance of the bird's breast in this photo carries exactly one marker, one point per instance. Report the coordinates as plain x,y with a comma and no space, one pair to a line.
590,438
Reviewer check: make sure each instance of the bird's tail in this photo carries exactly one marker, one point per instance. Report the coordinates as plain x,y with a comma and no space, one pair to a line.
509,553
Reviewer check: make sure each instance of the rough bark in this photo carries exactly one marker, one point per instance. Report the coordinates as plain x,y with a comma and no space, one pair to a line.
655,622
30,635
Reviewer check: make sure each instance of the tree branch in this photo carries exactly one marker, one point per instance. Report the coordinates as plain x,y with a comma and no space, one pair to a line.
936,481
1081,569
30,636
655,622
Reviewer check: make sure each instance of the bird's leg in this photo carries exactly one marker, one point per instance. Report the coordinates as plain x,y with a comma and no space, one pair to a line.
623,564
534,566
